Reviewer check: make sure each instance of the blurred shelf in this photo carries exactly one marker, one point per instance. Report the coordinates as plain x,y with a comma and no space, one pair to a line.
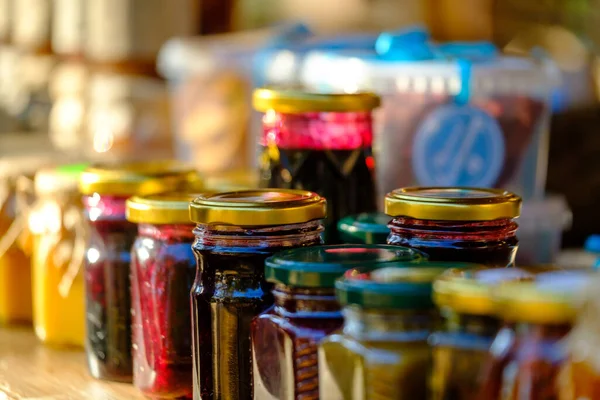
29,370
16,143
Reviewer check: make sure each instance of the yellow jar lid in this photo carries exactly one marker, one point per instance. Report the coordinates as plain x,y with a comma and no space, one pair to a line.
452,204
164,208
138,178
296,101
260,207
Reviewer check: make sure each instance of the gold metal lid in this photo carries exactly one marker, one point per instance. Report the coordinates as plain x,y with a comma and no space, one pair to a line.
165,208
260,207
452,204
296,101
138,178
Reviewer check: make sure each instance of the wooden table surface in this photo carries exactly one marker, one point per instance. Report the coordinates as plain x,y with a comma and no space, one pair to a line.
29,370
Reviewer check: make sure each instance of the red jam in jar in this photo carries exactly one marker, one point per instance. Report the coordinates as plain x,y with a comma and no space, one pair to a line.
285,337
107,263
322,143
163,268
236,232
456,224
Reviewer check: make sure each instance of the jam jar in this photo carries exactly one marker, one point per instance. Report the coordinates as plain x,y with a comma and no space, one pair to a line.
163,269
381,352
108,301
235,233
456,224
528,359
322,143
464,298
59,235
365,228
285,337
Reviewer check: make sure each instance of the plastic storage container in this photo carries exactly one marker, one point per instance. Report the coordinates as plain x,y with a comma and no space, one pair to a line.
456,114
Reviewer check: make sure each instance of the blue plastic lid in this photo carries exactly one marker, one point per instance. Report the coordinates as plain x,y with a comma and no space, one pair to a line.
592,243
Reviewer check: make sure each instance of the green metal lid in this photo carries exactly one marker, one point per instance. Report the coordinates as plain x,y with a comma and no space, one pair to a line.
369,228
401,286
320,266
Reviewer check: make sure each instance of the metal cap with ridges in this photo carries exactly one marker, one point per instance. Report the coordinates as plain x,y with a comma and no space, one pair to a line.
368,228
296,101
166,208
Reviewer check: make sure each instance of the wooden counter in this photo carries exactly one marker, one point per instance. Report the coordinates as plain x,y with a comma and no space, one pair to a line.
29,370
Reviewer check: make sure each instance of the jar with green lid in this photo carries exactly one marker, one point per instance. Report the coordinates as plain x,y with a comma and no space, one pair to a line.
381,352
365,228
285,337
456,224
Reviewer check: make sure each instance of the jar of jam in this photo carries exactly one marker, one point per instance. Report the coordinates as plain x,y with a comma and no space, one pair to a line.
105,189
236,232
285,337
322,143
59,233
163,268
464,298
456,224
381,351
365,228
528,358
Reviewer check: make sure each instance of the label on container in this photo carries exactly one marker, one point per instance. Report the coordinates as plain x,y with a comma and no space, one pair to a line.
31,23
458,146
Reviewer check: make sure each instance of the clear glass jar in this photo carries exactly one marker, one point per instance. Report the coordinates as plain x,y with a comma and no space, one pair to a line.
105,189
456,224
59,236
322,143
381,351
286,336
163,268
236,232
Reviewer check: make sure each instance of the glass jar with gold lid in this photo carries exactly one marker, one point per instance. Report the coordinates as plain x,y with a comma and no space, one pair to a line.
235,233
456,224
105,189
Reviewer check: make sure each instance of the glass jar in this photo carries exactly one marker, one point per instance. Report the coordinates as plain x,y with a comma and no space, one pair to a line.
464,298
365,228
236,232
286,336
322,143
105,189
456,224
163,268
528,358
381,352
59,234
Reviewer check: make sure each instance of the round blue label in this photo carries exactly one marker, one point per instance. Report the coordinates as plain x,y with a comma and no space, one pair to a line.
458,146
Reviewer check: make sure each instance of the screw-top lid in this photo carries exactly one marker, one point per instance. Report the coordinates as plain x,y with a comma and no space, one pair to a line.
260,207
138,178
402,286
452,203
64,178
166,208
368,228
320,266
296,101
592,244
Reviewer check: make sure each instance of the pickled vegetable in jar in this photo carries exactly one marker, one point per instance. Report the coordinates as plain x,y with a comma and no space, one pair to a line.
322,143
381,351
235,233
528,359
163,269
105,189
464,298
365,228
456,224
286,336
59,236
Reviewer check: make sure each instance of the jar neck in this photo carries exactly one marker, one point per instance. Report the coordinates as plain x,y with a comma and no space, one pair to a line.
100,207
425,230
395,325
478,325
171,232
542,332
306,302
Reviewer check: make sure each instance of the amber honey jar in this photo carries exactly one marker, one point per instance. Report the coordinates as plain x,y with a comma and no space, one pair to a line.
456,224
235,233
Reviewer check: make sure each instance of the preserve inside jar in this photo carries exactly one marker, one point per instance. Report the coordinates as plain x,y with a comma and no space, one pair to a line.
322,143
382,350
456,224
235,233
106,189
286,336
366,228
163,268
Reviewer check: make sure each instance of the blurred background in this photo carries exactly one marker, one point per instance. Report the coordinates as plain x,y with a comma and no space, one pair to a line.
130,79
